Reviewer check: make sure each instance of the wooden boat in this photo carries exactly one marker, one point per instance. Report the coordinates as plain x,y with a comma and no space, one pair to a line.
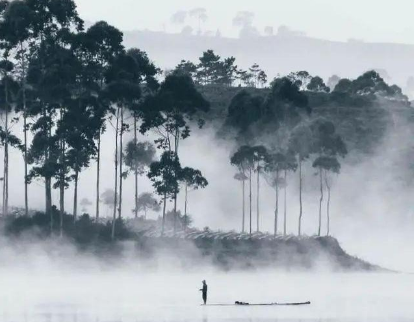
239,303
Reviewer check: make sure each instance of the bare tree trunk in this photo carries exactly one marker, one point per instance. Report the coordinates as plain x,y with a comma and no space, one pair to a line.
136,170
75,197
163,214
98,174
6,153
176,192
175,212
300,198
185,207
3,194
48,180
328,206
250,200
244,206
136,193
116,175
62,207
320,203
258,199
285,206
25,129
277,204
6,179
62,182
48,187
121,179
5,175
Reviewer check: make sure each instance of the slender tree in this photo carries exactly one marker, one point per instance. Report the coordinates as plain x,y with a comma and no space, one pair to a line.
241,176
123,89
146,201
301,143
260,156
81,126
262,78
9,89
255,72
171,110
164,175
332,167
128,74
107,198
146,76
325,164
290,165
16,31
244,158
327,146
275,165
193,180
103,42
138,157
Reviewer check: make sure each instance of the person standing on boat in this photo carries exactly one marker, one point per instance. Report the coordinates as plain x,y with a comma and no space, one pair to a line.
204,292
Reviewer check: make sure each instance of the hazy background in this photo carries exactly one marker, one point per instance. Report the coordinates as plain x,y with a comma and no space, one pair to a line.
371,20
323,37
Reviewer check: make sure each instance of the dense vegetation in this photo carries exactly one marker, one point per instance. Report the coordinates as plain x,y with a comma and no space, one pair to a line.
67,84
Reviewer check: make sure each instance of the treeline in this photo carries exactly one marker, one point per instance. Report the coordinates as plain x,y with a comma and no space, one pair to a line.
68,85
214,70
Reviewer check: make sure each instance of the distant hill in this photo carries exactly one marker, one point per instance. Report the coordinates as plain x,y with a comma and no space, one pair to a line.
283,54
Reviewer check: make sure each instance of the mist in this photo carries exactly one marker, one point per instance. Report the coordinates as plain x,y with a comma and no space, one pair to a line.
371,212
52,280
348,259
40,286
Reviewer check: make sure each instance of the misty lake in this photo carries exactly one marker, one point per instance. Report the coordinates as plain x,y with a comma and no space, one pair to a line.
174,296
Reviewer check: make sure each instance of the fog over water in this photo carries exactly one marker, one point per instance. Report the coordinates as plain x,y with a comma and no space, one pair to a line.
129,294
43,282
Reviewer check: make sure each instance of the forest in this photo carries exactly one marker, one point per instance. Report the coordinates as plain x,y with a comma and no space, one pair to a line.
66,85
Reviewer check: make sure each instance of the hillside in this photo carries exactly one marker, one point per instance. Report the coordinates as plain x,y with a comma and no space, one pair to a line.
281,54
363,124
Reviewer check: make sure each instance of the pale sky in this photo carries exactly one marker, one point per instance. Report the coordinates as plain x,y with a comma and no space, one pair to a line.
369,20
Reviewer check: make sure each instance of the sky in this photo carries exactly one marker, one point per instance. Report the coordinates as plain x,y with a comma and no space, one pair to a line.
369,20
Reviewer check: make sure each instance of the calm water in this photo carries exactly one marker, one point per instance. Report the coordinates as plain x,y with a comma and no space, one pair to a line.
174,296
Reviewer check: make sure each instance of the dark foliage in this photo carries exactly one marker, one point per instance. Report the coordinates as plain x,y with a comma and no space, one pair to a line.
84,231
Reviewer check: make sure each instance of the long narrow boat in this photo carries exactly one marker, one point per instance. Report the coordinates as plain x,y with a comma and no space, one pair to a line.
237,303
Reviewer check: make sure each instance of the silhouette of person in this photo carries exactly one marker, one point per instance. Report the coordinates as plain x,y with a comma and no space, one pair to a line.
204,292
